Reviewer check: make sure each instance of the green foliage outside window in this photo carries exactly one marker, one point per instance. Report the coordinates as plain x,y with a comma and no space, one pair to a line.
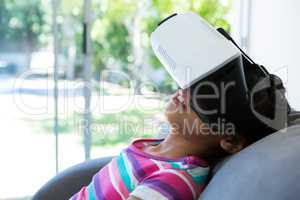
120,29
22,25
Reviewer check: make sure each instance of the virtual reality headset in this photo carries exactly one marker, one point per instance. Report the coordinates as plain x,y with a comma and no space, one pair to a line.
225,84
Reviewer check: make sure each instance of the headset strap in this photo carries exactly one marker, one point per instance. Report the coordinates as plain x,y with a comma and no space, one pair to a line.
227,36
276,83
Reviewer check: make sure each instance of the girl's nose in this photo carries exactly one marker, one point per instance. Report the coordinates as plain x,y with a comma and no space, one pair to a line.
182,96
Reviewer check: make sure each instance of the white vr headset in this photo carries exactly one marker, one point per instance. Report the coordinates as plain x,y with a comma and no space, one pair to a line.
190,49
193,52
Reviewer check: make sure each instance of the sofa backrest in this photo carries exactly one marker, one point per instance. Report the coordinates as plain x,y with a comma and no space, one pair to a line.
266,170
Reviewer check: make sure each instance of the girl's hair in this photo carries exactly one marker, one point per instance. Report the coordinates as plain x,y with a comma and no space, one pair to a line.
268,101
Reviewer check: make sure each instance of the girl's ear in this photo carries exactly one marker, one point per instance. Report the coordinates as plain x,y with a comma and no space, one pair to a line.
233,144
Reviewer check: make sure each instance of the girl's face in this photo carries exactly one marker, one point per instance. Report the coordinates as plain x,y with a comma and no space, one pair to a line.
185,121
181,116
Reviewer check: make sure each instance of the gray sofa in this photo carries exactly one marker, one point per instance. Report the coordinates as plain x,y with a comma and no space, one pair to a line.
70,181
266,170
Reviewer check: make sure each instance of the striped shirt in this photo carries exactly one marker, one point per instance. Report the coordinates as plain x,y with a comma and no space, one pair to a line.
145,176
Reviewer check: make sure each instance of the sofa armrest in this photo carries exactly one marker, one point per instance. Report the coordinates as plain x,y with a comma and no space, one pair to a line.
71,180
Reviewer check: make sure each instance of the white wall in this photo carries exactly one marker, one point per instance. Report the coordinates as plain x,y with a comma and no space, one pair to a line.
275,41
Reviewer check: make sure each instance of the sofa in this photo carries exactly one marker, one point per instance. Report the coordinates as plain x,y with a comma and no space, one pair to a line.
266,170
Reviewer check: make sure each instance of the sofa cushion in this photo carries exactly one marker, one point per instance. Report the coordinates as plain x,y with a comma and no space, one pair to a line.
266,170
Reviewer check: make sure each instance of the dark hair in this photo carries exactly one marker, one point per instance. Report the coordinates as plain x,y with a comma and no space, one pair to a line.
243,112
269,102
